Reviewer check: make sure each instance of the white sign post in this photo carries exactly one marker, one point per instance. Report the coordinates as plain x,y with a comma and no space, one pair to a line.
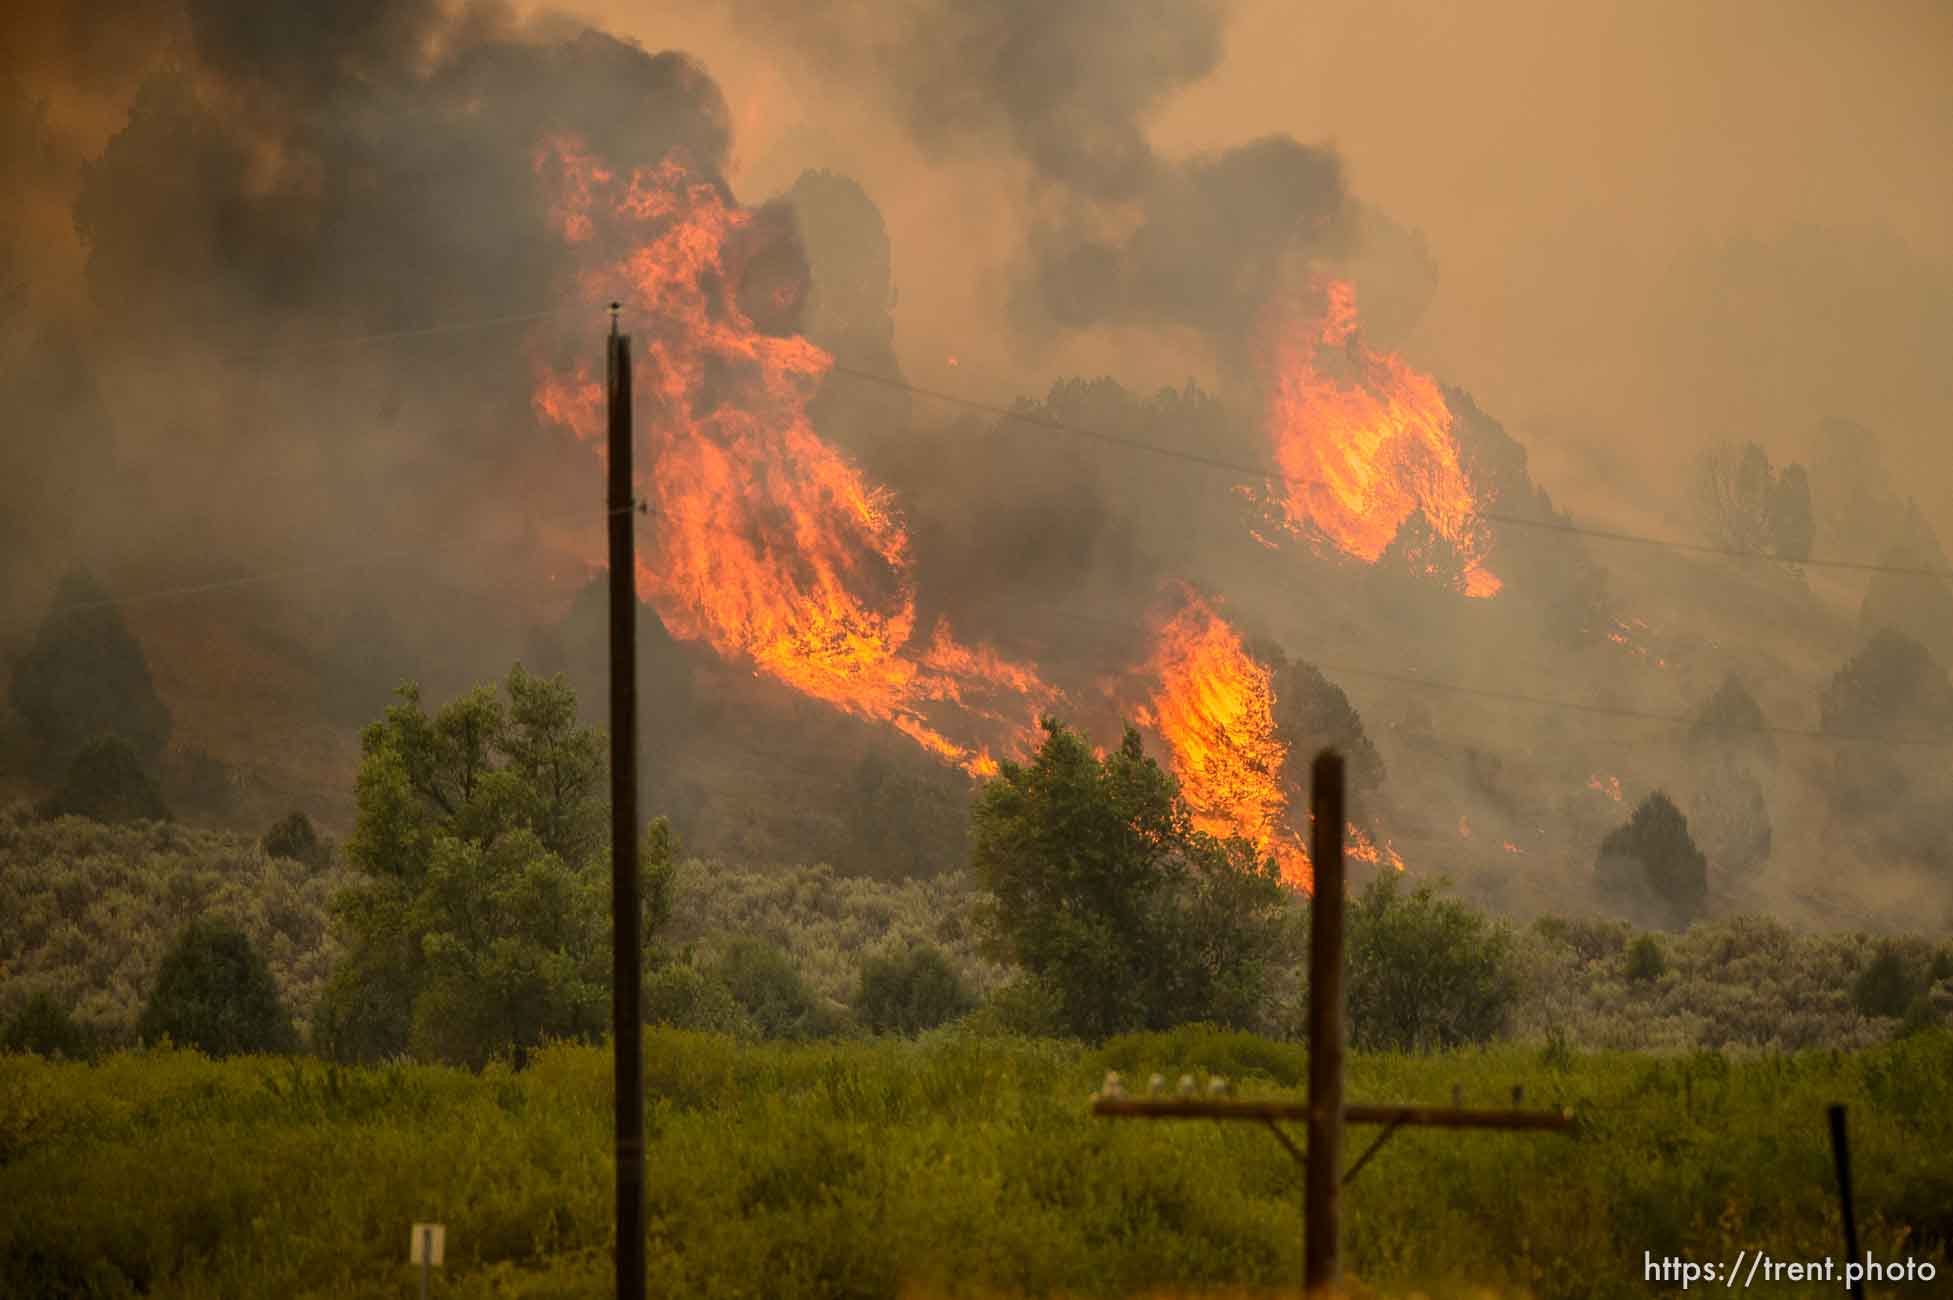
427,1247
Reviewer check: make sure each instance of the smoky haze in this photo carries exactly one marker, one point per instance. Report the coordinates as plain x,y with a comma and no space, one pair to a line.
267,272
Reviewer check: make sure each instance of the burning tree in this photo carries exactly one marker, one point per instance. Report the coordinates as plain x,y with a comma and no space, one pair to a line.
1364,441
771,547
1241,734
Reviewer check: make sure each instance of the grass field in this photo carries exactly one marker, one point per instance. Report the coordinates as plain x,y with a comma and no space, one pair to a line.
950,1166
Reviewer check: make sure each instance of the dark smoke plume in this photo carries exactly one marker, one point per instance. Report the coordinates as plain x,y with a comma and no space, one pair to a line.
1120,234
285,175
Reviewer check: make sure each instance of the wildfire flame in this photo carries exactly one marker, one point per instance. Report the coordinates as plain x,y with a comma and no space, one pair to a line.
1609,786
1214,706
1363,440
765,543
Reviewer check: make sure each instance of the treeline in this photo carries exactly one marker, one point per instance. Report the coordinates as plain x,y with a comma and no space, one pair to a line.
466,920
806,952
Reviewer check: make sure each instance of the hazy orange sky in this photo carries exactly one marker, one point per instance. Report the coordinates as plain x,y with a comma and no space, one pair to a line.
1654,223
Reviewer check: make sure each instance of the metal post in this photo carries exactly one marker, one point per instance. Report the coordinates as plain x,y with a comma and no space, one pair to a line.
426,1258
1841,1152
1322,1268
627,1047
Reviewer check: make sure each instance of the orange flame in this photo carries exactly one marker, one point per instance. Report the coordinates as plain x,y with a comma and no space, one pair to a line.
766,543
1363,440
1214,706
1611,786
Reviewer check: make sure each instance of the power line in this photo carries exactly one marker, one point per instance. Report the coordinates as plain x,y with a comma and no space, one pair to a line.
1025,417
353,341
295,571
1262,473
1516,697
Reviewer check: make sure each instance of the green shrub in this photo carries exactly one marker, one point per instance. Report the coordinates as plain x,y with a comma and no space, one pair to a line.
1026,1007
1888,985
293,836
908,994
1425,972
88,909
681,996
1645,960
45,1028
106,783
1921,1015
214,993
769,989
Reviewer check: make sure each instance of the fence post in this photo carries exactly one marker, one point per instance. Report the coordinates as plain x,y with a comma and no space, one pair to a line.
1841,1153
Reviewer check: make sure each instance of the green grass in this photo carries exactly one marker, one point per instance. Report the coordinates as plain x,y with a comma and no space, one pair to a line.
952,1166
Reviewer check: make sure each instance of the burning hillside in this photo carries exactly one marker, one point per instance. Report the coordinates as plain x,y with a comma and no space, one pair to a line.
1214,705
765,542
1364,442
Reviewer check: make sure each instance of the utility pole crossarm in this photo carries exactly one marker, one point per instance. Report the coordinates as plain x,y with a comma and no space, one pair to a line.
1298,1112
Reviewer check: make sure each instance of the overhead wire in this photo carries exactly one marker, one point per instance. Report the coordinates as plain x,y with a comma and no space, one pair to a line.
1019,414
311,570
1262,473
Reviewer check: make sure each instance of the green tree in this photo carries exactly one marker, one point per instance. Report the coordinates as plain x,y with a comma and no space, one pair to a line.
1748,506
771,991
478,924
45,1028
1731,751
1904,595
83,677
1793,526
215,993
682,996
1732,722
1105,892
907,994
1425,973
1888,985
1651,865
106,783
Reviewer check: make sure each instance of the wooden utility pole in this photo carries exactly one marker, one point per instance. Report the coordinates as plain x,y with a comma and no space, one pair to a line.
626,977
1325,1113
1322,1260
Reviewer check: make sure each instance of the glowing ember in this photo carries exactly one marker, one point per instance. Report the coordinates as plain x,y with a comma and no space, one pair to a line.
1609,786
1625,636
1363,441
1214,706
1464,828
1510,847
765,542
